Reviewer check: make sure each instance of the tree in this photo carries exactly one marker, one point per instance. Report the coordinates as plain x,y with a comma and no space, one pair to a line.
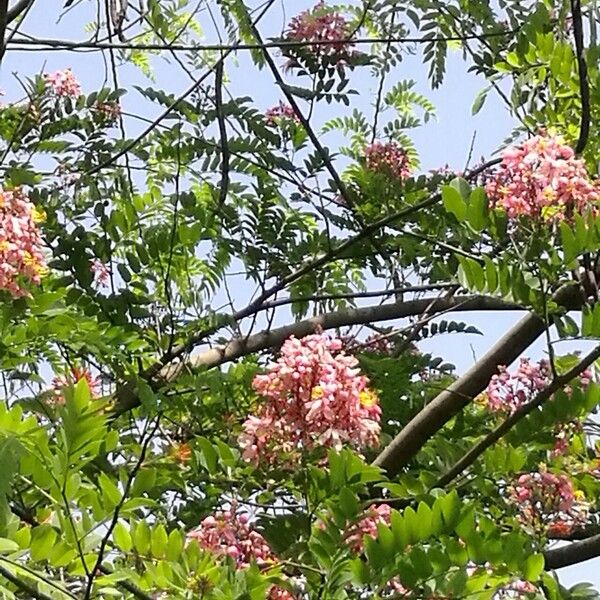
212,383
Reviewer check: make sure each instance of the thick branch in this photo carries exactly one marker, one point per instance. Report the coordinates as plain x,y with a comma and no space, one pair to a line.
18,9
574,553
489,440
239,347
452,400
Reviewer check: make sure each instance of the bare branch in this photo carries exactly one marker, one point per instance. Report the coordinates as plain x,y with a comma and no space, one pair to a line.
584,85
574,553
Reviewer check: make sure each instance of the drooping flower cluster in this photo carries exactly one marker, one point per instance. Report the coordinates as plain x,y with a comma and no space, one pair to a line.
100,271
514,590
21,257
548,503
508,392
281,114
367,525
542,179
322,24
564,433
64,83
229,533
71,378
389,159
314,397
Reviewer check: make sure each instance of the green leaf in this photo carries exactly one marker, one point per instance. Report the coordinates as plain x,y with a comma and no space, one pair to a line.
533,567
7,546
454,203
122,537
479,100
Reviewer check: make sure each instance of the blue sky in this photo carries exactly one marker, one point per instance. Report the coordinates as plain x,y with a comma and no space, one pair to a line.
444,141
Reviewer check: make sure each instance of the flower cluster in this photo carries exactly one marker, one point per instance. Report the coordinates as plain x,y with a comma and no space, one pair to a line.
516,589
108,111
548,502
100,271
280,114
64,83
72,378
542,179
508,392
564,433
367,525
315,397
229,533
326,27
389,159
21,256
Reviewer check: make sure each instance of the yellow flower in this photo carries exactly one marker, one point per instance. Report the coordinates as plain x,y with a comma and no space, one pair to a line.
4,245
368,398
317,392
579,496
38,215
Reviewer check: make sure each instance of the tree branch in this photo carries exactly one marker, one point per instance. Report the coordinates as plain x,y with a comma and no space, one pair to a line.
449,402
23,586
18,8
574,553
584,85
238,347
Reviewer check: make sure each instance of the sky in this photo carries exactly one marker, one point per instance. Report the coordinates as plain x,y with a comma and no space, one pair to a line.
446,140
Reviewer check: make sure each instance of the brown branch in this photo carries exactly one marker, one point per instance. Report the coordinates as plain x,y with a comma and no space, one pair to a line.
224,185
574,553
3,24
238,347
489,440
584,85
92,45
458,395
18,9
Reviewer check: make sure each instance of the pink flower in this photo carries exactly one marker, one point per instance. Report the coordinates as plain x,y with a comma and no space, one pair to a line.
280,114
314,397
71,378
100,271
367,525
548,502
21,257
229,533
64,83
542,179
388,159
507,393
321,24
108,111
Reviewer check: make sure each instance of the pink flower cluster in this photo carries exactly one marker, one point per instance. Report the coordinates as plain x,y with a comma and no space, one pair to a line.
548,502
100,271
71,378
389,159
508,392
516,589
315,397
564,433
542,179
109,111
229,533
64,83
277,115
321,24
367,525
21,257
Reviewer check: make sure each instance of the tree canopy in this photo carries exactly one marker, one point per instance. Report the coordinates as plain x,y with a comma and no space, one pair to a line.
213,311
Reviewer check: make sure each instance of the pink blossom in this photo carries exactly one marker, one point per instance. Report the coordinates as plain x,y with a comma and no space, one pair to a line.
100,271
367,526
277,115
389,159
548,502
64,83
71,378
322,24
508,392
515,589
108,111
314,397
21,257
230,533
542,179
